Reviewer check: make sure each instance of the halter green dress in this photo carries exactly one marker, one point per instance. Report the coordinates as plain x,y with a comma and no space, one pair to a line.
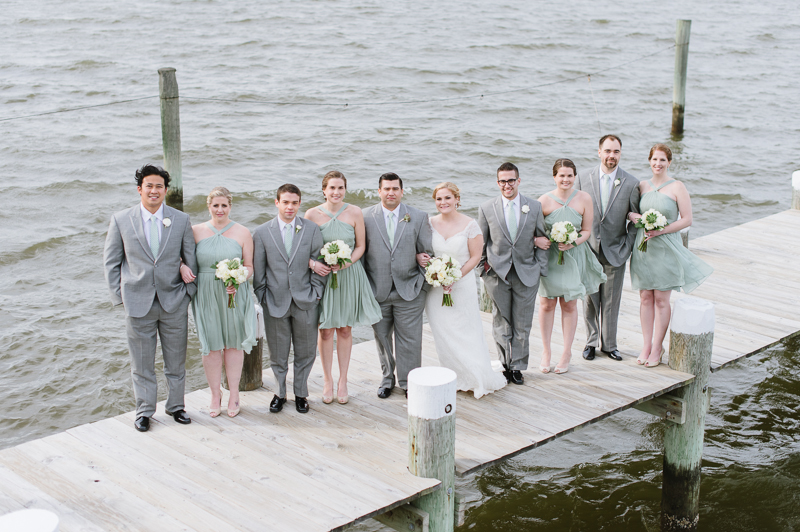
219,327
666,265
580,274
353,302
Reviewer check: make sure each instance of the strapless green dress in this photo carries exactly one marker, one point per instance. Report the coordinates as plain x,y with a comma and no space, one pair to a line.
219,327
581,274
353,302
666,265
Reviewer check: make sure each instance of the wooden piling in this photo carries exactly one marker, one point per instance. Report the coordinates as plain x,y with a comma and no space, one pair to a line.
796,190
432,440
485,301
682,31
252,377
171,135
691,340
685,237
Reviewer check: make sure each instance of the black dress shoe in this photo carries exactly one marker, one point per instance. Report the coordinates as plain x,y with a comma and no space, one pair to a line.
516,377
406,393
180,416
301,404
276,405
614,355
507,375
588,352
142,423
383,393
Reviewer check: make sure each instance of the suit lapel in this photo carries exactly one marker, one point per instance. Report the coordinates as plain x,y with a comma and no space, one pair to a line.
500,213
523,216
275,232
615,190
138,228
400,225
165,230
380,221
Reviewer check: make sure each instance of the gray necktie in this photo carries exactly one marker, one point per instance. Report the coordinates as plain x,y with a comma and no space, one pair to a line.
287,239
390,229
512,220
154,235
605,192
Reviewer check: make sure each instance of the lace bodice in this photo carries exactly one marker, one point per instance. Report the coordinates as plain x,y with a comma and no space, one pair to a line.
456,245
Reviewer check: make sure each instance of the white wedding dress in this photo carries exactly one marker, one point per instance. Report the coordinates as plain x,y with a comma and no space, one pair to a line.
458,330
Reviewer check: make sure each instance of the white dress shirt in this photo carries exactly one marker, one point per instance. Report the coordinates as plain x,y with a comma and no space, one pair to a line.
386,215
146,221
517,210
283,227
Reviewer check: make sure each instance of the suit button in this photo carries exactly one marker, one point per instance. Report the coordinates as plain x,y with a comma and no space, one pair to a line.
290,273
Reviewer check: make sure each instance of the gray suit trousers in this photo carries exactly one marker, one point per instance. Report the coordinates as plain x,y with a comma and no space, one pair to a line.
404,319
172,328
298,327
601,309
514,304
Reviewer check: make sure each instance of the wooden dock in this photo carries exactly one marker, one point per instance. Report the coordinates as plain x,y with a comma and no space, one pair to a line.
340,464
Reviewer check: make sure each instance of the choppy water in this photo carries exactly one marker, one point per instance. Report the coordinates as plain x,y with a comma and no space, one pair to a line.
63,359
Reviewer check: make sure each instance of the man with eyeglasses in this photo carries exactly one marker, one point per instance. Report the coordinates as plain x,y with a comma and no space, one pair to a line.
511,268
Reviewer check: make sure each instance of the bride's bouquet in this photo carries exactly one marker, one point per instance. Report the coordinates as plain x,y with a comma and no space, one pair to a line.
335,252
651,220
233,273
563,233
443,271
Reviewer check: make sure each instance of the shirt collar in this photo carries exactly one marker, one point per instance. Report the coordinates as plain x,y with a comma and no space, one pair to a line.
284,224
386,211
506,201
147,214
613,174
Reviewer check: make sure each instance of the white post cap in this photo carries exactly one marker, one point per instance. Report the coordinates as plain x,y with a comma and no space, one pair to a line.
432,392
692,315
796,180
29,521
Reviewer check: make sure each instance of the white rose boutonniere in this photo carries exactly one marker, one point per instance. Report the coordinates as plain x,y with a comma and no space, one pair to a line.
526,209
616,182
297,229
406,218
167,222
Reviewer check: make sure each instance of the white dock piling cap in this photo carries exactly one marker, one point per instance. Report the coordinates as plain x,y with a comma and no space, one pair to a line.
692,315
432,392
29,521
796,180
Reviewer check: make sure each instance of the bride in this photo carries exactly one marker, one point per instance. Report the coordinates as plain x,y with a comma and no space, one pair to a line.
458,330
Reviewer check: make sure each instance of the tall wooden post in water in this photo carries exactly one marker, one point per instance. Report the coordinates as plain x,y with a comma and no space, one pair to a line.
171,135
796,190
432,440
681,61
691,339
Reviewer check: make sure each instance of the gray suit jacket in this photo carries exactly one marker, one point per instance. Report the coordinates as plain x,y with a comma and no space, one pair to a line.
134,276
278,280
613,230
501,253
385,265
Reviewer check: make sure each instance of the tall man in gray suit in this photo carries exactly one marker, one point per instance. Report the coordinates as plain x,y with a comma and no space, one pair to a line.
511,266
399,244
290,291
144,249
615,194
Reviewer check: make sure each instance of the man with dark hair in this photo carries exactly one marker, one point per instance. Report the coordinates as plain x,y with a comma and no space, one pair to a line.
144,249
510,266
289,292
399,243
615,194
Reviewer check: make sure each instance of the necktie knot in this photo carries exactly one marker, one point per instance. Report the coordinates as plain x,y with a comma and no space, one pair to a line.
512,220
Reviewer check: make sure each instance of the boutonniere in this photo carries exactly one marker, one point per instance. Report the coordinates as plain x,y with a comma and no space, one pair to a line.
296,229
406,218
616,182
526,209
167,222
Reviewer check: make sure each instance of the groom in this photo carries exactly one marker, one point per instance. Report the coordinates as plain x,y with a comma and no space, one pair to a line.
290,293
144,249
511,268
615,195
399,243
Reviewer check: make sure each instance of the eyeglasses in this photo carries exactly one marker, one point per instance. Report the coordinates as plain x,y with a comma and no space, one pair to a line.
506,182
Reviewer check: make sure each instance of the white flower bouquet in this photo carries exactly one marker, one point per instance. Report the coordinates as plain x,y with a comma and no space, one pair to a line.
651,220
335,252
233,273
443,271
563,233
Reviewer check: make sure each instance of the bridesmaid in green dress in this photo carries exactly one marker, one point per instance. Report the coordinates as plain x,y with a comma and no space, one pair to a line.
353,302
581,274
224,333
666,265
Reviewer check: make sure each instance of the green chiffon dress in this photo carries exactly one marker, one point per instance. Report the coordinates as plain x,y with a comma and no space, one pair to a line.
666,265
219,327
580,274
353,302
